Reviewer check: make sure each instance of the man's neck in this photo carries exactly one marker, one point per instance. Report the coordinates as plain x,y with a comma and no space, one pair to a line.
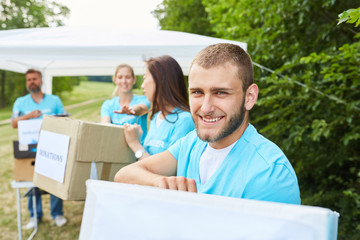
230,139
37,97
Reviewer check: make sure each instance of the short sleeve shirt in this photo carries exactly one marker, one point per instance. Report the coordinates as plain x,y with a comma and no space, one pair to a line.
49,105
255,168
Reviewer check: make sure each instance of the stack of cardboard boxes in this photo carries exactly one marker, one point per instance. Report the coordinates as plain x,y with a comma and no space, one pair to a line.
24,161
67,152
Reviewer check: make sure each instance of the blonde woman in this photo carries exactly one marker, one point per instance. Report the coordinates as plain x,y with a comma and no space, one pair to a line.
125,107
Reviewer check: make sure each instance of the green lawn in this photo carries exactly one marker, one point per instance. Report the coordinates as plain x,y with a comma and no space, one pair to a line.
86,91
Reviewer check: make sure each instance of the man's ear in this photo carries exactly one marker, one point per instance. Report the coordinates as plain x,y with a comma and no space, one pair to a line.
251,96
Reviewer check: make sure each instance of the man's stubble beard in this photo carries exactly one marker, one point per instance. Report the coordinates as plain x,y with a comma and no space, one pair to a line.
234,123
33,91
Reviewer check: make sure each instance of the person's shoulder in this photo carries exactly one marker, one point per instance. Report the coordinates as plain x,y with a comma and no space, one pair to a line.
191,137
140,98
188,141
184,115
51,96
265,148
23,98
112,100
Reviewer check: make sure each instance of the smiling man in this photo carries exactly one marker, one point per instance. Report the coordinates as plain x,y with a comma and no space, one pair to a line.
225,155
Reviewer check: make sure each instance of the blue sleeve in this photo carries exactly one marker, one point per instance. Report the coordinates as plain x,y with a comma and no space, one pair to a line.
174,149
105,109
275,183
182,128
16,112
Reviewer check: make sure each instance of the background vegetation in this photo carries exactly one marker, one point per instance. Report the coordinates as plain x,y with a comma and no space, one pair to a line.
310,104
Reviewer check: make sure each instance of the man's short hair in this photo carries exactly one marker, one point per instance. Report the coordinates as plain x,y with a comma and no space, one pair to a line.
31,70
222,53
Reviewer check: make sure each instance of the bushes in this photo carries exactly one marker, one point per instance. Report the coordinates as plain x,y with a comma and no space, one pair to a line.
314,115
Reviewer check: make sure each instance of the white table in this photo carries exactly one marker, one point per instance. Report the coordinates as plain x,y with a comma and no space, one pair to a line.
31,187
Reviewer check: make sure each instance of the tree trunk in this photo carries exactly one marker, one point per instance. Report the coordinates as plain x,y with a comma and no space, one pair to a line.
2,89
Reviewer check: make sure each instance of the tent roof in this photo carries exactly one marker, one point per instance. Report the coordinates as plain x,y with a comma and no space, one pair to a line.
69,51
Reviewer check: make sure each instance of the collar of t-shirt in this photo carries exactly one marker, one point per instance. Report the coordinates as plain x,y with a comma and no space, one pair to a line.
210,161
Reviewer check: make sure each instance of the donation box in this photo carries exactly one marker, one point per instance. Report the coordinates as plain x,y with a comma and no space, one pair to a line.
66,150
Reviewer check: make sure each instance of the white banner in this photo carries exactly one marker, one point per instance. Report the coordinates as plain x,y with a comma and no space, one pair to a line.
29,130
51,155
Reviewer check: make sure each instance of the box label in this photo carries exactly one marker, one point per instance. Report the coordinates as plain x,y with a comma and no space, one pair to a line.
28,131
51,156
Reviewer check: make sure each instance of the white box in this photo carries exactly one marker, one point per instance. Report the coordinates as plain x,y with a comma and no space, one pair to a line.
125,211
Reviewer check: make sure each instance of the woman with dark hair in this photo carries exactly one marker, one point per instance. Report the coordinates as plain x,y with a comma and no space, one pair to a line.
164,86
125,107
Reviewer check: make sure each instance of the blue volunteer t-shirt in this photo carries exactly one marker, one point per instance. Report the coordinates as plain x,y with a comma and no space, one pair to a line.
49,105
174,127
108,107
255,168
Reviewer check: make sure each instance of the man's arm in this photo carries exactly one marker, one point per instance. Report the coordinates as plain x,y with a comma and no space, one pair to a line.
158,170
33,114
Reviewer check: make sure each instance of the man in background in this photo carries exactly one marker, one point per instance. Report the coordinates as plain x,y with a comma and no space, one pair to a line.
33,106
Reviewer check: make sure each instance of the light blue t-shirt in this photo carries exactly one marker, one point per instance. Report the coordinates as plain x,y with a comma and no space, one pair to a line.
255,168
49,105
174,127
108,107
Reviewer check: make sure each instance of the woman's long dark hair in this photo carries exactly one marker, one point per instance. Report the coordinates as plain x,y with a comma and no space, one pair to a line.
170,85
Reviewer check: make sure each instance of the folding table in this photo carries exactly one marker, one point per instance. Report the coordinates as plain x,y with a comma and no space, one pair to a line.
30,189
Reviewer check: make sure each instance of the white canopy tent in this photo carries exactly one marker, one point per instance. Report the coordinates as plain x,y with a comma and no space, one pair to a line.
85,51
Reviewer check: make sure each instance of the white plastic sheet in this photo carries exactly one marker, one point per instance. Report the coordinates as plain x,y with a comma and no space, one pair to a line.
123,211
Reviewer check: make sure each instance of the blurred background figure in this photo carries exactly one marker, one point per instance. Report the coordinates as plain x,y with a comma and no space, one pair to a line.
126,107
33,106
164,86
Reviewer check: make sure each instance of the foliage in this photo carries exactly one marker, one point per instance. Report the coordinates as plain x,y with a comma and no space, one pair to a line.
62,84
280,31
30,14
183,15
310,106
350,16
313,113
27,14
13,88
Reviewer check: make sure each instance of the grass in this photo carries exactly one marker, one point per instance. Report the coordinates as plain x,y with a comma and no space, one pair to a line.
95,91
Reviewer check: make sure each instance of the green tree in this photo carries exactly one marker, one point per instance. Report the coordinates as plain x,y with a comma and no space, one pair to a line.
25,14
30,14
183,15
280,31
310,105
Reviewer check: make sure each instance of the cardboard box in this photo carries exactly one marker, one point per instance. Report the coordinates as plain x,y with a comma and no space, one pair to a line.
24,169
89,142
24,150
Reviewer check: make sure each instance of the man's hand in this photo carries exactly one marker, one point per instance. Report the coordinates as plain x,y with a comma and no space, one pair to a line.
176,183
125,109
35,114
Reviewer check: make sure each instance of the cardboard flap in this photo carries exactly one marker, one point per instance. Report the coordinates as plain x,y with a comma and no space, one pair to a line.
103,143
